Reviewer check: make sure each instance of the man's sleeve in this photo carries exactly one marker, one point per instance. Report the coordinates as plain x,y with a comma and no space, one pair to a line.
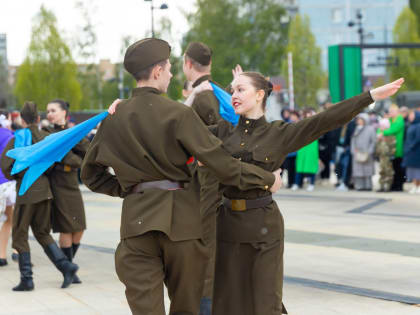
95,175
7,162
197,140
206,106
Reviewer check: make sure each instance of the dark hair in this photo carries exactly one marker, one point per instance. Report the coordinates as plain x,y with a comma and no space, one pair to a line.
63,105
29,113
196,65
145,73
259,82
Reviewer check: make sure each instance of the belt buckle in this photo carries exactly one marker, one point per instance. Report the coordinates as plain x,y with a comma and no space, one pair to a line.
239,205
67,168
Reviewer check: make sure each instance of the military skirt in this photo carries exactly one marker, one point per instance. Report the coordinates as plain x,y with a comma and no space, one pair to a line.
249,262
68,212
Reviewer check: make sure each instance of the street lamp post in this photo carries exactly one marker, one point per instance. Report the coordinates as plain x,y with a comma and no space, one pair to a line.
152,7
362,37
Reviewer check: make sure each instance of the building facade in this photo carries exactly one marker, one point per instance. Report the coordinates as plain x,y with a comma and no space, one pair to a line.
330,19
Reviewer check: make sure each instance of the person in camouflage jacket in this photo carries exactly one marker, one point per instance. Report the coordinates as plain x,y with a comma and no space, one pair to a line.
385,151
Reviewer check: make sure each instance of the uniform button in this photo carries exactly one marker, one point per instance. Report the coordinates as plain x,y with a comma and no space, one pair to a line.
74,218
242,144
140,222
266,187
246,130
247,122
240,159
266,158
264,231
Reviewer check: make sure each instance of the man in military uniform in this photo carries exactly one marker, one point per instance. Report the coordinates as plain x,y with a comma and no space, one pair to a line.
197,69
33,209
147,143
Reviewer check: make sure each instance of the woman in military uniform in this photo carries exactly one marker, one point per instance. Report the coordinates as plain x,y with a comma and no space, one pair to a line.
68,213
250,227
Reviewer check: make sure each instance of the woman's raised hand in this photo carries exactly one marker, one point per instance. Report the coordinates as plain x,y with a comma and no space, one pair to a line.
237,71
386,90
113,107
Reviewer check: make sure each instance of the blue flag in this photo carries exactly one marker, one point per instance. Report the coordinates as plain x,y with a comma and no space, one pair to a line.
226,109
23,138
41,155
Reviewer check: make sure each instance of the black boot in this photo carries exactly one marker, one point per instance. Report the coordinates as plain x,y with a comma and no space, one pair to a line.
75,248
26,282
68,269
68,251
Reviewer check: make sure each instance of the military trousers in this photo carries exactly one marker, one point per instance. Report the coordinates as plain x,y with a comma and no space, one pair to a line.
210,200
36,216
249,274
386,172
145,262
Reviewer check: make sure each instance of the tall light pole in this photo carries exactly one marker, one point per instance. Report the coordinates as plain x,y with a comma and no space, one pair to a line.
362,37
152,7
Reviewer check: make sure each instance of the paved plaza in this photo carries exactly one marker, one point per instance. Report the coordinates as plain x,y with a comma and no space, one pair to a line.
345,253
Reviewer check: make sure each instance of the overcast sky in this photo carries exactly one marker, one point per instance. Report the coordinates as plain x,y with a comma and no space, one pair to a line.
112,20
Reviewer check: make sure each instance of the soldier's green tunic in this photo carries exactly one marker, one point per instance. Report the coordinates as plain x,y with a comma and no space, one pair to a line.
207,106
68,212
33,209
151,138
249,254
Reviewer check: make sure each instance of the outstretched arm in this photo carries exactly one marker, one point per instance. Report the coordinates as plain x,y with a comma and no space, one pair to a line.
196,139
297,135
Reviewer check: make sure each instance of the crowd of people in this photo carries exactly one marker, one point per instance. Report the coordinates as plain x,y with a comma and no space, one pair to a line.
387,145
198,213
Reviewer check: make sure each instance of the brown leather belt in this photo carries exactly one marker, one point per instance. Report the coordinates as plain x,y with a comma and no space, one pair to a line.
158,184
245,204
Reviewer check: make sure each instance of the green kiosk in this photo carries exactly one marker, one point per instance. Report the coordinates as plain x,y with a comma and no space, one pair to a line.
345,71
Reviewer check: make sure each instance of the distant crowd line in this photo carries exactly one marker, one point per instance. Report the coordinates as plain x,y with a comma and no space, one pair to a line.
390,142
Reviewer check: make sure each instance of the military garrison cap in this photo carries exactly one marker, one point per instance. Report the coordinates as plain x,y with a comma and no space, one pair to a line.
145,53
199,52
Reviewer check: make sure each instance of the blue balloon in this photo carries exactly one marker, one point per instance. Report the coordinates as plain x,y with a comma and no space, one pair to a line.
37,158
226,109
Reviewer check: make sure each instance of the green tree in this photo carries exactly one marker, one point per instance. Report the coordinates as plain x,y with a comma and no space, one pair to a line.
48,70
247,32
121,85
88,73
415,7
405,31
308,76
175,87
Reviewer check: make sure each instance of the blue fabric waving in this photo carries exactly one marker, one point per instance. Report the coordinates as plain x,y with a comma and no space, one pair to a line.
41,155
23,138
226,109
